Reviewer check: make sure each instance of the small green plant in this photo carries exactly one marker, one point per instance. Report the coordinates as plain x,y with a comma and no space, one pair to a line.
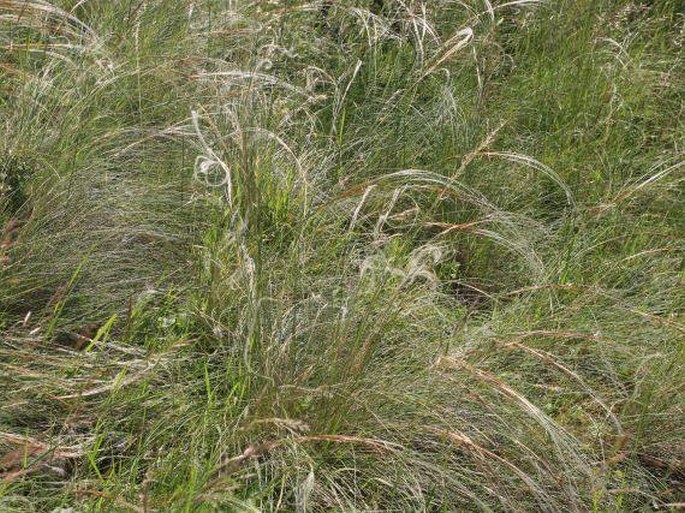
15,174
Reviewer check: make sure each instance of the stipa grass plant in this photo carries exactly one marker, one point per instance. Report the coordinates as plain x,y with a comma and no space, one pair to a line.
93,171
342,256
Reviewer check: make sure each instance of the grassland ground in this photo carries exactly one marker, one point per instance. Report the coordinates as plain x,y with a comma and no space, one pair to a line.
357,255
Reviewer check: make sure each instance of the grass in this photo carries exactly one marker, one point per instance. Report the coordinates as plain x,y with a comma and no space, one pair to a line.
341,256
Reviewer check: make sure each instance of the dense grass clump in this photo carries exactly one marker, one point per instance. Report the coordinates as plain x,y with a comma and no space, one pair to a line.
367,255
